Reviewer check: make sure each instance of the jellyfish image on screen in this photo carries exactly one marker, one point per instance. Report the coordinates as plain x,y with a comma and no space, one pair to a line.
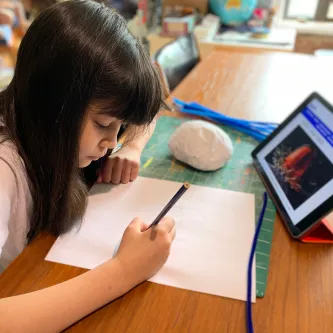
290,165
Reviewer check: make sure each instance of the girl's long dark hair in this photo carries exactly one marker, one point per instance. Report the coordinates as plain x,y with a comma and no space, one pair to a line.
74,53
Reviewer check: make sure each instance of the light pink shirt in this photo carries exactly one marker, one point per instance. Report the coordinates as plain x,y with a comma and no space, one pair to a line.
15,204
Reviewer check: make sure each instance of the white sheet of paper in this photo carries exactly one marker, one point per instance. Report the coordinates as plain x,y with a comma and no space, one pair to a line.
214,234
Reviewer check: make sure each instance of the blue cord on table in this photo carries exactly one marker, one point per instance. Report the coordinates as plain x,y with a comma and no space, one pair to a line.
240,127
249,323
199,107
257,129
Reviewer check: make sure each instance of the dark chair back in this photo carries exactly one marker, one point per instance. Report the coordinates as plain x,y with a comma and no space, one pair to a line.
178,58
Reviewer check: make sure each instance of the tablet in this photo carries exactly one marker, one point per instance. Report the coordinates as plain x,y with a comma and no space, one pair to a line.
296,165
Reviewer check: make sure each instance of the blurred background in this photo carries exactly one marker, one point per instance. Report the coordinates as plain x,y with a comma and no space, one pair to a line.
171,29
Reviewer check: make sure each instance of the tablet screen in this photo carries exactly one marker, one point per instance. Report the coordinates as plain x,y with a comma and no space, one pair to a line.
298,161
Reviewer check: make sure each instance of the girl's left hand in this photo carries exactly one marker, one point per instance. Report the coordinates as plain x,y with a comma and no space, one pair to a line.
121,167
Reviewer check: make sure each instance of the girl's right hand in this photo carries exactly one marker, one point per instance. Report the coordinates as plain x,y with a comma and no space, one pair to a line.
142,252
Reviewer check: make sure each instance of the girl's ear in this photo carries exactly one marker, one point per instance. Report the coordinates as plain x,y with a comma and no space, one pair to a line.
164,84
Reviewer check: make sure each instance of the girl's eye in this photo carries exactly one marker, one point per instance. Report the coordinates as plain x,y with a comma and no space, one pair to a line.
101,125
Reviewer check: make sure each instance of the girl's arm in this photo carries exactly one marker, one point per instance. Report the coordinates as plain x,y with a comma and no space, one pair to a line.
53,309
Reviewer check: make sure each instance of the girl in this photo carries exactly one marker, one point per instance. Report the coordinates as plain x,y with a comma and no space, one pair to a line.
80,75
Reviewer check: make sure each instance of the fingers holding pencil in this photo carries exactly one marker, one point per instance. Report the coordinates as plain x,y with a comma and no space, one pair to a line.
142,253
166,226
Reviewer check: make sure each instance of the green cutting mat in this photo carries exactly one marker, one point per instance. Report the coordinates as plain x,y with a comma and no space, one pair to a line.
238,175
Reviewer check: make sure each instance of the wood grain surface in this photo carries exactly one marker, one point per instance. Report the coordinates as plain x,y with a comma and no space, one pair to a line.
299,297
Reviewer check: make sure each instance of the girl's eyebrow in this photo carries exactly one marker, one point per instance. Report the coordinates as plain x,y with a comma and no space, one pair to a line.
105,115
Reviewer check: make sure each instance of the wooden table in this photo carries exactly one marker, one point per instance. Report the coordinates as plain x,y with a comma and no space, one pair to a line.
299,296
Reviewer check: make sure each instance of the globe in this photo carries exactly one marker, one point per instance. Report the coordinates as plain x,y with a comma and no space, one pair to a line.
233,12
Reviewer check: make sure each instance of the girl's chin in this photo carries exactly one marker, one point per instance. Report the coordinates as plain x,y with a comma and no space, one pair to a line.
84,162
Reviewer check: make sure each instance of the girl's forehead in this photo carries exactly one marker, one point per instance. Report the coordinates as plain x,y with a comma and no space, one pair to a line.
97,109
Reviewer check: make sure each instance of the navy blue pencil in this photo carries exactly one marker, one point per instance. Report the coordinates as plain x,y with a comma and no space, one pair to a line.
170,204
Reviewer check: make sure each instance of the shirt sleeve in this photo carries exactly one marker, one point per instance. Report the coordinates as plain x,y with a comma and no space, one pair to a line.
7,191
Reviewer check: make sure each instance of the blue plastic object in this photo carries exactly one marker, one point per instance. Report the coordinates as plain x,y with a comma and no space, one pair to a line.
249,323
257,129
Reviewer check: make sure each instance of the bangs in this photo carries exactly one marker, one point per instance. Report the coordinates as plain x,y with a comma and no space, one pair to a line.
137,99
